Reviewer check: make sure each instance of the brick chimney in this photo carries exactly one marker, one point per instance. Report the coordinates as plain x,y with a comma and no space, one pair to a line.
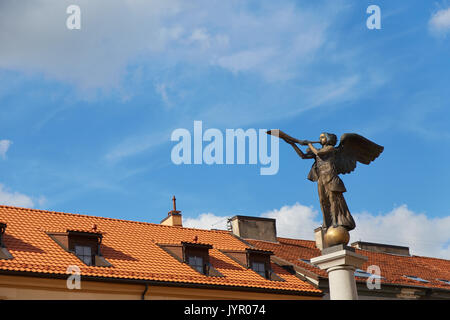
173,217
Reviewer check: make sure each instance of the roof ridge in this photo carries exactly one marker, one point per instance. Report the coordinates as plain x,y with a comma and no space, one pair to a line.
431,258
372,252
108,218
295,239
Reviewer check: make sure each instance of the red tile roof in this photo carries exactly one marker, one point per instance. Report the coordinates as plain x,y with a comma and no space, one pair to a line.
132,249
393,267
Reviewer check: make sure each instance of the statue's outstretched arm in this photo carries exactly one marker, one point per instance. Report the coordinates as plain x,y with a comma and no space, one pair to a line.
300,152
320,152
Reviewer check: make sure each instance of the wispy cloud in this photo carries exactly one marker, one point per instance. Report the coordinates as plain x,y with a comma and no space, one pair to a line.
16,199
271,41
246,60
439,22
420,114
4,146
206,221
162,89
96,56
137,144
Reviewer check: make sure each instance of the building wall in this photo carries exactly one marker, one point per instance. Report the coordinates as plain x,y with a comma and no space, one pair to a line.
31,288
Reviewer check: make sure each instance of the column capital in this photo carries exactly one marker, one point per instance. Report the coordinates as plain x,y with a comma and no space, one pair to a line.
339,258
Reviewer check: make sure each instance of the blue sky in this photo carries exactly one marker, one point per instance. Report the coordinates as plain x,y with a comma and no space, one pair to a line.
86,115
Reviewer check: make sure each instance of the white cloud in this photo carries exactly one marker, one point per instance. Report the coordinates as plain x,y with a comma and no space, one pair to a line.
130,40
272,41
36,39
161,88
206,221
277,45
136,144
440,22
423,235
296,221
4,146
168,92
14,198
201,36
42,201
345,88
246,60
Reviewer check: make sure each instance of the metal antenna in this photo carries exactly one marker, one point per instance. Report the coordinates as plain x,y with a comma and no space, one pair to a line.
174,203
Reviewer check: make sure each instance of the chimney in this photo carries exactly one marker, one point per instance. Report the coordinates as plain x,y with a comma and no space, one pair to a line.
382,248
254,228
318,236
174,216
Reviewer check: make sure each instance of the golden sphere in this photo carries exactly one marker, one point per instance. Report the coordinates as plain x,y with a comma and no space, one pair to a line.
336,235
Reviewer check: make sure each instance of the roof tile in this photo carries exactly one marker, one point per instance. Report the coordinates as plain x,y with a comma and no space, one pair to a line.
393,267
131,247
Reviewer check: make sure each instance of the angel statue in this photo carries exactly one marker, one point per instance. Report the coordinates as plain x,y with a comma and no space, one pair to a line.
330,161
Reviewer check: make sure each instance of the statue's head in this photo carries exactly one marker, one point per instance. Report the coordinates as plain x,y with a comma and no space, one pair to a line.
327,139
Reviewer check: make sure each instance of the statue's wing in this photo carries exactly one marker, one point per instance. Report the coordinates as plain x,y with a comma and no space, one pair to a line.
353,148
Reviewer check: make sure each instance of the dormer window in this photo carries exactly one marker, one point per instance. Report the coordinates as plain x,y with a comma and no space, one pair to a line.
259,261
260,268
256,260
197,256
194,254
84,245
196,262
2,232
84,253
4,253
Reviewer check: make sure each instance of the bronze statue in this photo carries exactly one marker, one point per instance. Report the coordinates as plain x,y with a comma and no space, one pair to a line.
330,161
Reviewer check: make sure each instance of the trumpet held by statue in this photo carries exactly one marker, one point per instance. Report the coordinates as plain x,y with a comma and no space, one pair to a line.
280,134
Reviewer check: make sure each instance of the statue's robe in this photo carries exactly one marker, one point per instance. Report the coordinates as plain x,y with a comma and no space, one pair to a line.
331,188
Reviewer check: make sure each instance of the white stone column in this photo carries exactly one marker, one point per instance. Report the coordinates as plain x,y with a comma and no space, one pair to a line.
340,262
